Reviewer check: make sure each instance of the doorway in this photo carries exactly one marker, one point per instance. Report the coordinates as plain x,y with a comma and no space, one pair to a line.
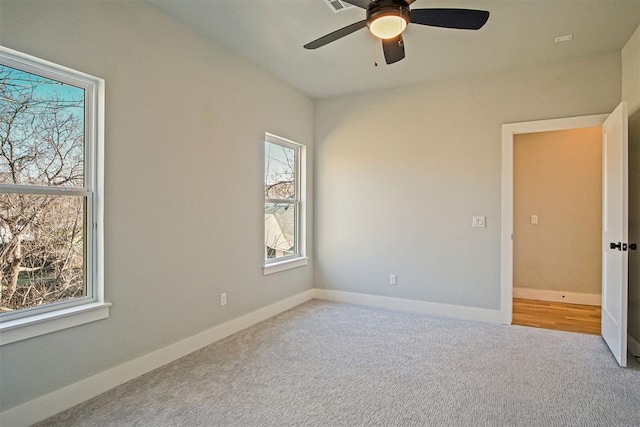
509,131
615,244
557,280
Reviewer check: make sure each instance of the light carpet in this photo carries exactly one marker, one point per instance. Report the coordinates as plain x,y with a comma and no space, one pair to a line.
331,364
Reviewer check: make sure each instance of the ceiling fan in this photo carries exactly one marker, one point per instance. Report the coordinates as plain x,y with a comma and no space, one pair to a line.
387,19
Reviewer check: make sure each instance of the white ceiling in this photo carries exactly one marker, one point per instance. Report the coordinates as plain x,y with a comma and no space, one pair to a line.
271,33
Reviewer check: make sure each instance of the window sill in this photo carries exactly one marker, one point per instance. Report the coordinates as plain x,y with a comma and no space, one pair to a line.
33,326
284,265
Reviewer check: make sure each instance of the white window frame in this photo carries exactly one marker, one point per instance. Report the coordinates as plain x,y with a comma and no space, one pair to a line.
31,322
298,259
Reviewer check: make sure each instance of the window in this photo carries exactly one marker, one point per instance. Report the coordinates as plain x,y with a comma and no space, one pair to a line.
50,198
284,208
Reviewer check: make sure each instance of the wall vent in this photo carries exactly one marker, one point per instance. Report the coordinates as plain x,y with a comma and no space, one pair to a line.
338,6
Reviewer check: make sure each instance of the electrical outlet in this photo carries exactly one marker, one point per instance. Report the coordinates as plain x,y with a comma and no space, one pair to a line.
223,298
393,279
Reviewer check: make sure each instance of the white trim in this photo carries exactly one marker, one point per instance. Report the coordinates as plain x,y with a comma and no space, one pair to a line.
633,345
52,403
278,140
48,69
302,207
287,264
508,132
558,296
51,321
415,306
40,189
300,202
23,324
98,185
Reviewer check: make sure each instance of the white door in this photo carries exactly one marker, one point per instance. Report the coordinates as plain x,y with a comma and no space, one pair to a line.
614,232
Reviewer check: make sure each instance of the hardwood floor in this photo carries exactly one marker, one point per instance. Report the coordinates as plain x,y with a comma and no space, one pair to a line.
556,315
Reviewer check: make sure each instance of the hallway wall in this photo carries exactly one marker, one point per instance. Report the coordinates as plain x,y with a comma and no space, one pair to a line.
558,179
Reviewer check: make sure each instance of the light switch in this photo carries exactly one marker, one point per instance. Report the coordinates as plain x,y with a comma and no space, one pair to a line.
534,219
478,221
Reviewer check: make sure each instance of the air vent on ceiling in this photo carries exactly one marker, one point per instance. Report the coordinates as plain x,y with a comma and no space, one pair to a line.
564,38
337,6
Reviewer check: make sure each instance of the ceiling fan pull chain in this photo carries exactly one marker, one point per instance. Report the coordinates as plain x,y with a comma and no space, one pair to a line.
375,52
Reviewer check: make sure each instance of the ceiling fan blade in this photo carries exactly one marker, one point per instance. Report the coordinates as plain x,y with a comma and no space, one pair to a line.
393,49
464,19
360,3
337,34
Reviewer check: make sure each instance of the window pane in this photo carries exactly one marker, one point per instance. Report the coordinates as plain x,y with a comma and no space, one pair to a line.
41,249
279,172
280,234
41,130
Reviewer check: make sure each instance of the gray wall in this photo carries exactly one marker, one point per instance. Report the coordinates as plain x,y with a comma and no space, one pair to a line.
185,122
631,94
400,173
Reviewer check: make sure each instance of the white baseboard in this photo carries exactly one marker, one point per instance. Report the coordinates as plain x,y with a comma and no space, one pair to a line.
424,307
50,404
558,296
633,345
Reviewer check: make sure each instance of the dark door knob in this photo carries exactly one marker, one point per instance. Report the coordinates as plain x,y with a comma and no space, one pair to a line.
617,246
633,246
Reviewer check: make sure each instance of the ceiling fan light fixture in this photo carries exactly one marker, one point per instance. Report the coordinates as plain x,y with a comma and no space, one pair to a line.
387,19
389,25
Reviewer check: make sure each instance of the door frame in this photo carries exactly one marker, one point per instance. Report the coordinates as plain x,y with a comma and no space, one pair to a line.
509,130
